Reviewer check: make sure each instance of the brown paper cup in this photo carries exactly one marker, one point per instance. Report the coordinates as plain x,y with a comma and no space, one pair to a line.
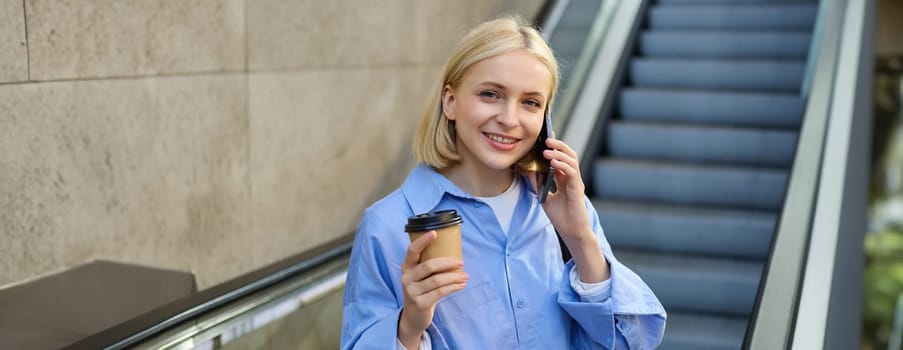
447,225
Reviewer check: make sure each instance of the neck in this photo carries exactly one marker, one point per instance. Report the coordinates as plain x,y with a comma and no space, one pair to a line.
479,181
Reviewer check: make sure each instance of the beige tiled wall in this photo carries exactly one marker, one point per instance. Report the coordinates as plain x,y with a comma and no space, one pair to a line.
13,51
205,135
325,144
338,33
74,39
151,170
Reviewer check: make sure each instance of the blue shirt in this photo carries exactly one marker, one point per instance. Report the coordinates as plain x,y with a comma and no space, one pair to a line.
518,295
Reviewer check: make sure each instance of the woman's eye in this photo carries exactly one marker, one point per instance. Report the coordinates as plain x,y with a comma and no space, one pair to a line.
533,103
490,94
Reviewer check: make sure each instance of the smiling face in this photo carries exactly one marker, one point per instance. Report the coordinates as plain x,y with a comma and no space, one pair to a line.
498,109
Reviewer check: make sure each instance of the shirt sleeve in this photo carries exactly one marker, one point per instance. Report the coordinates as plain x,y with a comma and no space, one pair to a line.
630,317
590,292
370,307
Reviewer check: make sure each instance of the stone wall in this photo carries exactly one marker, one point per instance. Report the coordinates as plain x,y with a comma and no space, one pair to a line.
214,136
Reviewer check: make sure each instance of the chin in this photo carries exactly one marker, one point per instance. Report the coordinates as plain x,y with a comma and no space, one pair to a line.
500,164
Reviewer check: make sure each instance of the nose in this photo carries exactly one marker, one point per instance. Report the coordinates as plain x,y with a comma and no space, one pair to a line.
508,116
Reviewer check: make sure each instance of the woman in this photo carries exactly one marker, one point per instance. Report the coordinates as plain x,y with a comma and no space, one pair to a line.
514,292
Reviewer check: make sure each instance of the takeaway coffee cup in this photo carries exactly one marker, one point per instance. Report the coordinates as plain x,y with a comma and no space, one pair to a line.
447,224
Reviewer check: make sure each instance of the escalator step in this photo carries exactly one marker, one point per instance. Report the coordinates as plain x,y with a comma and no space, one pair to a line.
684,184
687,331
739,44
696,143
696,284
733,16
671,229
775,75
710,107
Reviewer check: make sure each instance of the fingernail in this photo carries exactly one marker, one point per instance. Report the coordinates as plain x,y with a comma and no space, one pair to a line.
459,263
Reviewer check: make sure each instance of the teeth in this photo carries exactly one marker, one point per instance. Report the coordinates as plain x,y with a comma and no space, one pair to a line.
500,139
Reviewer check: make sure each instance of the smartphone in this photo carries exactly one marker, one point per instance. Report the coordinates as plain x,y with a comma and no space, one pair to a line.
544,173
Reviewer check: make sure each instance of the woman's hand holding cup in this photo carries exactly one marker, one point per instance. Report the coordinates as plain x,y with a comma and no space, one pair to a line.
425,282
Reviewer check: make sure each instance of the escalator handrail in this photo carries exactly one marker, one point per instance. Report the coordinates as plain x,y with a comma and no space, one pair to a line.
579,74
772,320
549,16
814,49
830,297
594,98
180,312
776,314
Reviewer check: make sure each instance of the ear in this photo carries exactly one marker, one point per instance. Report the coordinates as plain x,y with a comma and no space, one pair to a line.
448,102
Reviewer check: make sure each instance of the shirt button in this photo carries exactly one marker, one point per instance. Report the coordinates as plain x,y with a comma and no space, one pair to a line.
521,303
624,327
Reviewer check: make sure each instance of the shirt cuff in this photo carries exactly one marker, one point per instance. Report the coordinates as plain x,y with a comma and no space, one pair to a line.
590,292
425,343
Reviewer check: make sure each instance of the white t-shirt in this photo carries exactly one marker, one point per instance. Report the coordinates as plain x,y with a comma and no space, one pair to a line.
503,204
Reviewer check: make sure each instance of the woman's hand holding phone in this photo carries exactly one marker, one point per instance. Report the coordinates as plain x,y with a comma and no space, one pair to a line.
566,209
424,284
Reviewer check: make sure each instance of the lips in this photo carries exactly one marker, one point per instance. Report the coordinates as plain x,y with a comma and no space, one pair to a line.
501,142
500,138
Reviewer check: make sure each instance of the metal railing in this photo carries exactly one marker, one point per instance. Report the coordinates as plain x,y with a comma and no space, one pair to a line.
588,109
800,282
578,76
224,325
826,318
180,323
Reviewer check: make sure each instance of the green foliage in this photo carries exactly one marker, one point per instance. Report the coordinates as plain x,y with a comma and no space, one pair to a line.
883,285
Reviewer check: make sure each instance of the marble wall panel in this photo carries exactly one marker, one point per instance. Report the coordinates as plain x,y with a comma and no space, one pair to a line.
324,146
148,171
324,34
74,39
13,50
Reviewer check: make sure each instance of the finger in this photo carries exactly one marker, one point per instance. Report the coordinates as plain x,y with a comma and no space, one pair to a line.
434,295
561,156
561,146
436,281
434,266
569,171
425,269
412,257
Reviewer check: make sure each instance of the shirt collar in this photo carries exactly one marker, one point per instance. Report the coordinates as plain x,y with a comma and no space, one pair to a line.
424,189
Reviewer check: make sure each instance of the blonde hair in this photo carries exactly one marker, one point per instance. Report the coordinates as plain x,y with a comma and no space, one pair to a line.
434,139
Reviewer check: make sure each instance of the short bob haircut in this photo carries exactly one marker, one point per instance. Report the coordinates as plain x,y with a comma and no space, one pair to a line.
434,139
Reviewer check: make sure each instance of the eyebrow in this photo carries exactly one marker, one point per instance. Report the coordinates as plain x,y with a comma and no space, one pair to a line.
503,87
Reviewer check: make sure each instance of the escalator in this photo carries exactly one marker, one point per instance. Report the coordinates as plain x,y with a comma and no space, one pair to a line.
703,150
693,165
569,36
